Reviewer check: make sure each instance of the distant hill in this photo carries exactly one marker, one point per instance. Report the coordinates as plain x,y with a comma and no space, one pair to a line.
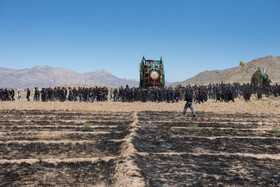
46,76
237,74
103,77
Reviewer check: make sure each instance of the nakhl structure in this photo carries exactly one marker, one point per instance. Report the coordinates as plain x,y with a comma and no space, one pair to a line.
152,73
260,78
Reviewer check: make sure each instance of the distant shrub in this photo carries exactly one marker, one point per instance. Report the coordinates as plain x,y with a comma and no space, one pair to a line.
87,126
193,127
275,129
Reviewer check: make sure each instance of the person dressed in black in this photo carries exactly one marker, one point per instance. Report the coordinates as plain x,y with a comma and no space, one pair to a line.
12,94
189,99
36,94
28,94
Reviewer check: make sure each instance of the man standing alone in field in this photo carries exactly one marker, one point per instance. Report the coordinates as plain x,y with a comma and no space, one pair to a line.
189,99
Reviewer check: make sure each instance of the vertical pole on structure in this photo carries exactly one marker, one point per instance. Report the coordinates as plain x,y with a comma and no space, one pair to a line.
154,71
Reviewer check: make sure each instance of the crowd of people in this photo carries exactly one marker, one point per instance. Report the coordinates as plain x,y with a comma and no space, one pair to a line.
80,94
218,92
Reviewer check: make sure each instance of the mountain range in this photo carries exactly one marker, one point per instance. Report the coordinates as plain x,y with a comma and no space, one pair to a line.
237,74
46,76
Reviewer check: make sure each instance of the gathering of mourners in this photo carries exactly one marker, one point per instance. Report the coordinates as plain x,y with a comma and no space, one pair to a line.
200,93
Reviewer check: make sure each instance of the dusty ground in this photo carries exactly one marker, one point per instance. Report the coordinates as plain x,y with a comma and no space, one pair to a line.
140,144
263,106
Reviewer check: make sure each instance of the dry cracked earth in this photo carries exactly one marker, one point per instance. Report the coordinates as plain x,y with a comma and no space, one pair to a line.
144,148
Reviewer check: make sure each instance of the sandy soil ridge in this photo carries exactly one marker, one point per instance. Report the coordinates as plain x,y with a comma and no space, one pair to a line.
127,172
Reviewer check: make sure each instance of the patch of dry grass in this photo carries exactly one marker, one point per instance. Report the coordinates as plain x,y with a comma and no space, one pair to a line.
45,136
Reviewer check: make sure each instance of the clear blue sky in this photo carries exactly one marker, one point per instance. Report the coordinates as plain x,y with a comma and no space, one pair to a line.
88,35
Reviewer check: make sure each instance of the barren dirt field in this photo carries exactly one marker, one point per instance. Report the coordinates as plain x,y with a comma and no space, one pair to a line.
140,144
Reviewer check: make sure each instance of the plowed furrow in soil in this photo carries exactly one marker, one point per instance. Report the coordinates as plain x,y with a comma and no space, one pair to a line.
209,170
76,173
209,132
58,160
42,150
146,148
63,113
58,148
186,118
175,116
200,152
64,122
188,144
59,135
204,123
201,124
66,117
31,121
54,128
208,150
